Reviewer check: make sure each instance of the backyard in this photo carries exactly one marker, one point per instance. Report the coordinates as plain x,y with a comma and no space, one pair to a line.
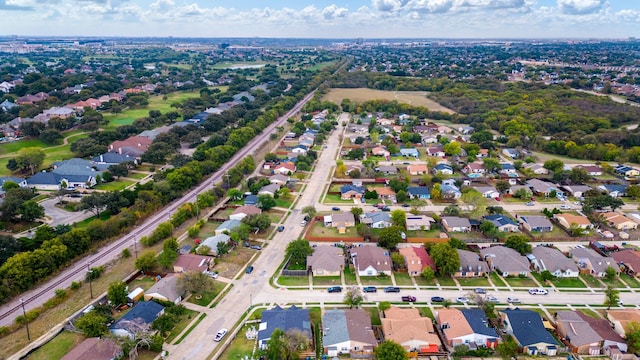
240,347
58,347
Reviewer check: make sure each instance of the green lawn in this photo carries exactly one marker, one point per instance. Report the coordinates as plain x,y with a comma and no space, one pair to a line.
497,281
114,185
591,313
58,347
335,198
319,229
207,296
631,281
591,280
145,283
480,281
350,277
520,282
446,281
376,280
327,280
424,282
283,203
375,315
240,347
616,283
402,279
293,280
568,283
180,326
426,312
137,176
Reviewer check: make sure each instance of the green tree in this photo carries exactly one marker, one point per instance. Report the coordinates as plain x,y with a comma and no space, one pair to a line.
633,191
117,293
553,165
611,297
357,211
309,210
353,297
399,218
446,258
119,170
94,202
146,261
610,273
390,350
169,253
428,273
266,202
491,164
503,186
457,243
519,243
297,252
508,348
234,194
546,275
195,282
476,200
92,324
390,237
632,336
30,158
452,149
31,210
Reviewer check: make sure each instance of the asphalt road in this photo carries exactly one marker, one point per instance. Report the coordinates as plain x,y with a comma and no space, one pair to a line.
76,272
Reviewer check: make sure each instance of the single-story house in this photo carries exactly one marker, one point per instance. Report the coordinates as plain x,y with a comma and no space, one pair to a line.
488,192
535,223
228,226
285,168
376,219
419,192
551,259
450,191
417,169
350,191
474,168
621,319
581,337
416,259
165,289
251,200
139,318
506,261
212,242
626,171
279,179
418,222
341,221
347,331
412,152
543,188
380,151
95,348
512,153
134,146
502,222
285,320
192,262
385,193
567,220
592,170
628,260
614,190
387,169
113,158
591,262
471,265
536,169
507,168
326,261
609,338
619,221
243,211
527,329
371,260
456,224
576,190
436,151
271,190
412,331
444,169
466,326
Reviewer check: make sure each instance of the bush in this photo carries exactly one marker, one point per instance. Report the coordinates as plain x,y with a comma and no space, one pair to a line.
156,343
126,253
4,330
61,293
75,285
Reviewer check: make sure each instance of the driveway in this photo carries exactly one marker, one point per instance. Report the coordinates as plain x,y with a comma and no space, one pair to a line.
60,216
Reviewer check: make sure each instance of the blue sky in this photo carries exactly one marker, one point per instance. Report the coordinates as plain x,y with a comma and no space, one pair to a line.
346,19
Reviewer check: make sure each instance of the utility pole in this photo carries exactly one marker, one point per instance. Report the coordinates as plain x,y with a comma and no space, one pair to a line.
90,274
26,321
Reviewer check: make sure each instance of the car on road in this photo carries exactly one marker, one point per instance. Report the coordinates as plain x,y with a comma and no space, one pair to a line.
437,299
335,208
220,334
530,203
392,289
386,208
335,289
303,222
538,291
409,298
462,299
249,269
281,228
480,291
565,207
492,299
369,289
406,205
256,247
513,300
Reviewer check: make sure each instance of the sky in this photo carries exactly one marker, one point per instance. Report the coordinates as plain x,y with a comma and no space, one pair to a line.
343,19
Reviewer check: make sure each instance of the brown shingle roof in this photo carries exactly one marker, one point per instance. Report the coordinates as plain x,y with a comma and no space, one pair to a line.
403,325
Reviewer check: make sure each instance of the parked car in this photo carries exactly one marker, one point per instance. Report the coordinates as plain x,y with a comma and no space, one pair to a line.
392,289
538,291
335,289
369,289
211,274
565,207
281,228
256,247
249,269
335,208
512,300
220,334
409,298
437,299
386,208
406,205
303,223
462,299
492,299
530,203
480,291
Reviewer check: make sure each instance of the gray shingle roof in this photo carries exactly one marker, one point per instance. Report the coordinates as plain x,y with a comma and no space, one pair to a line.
553,260
506,259
344,325
279,318
324,257
527,327
470,261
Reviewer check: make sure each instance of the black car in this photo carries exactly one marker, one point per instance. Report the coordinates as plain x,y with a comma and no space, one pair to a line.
392,289
281,228
409,298
335,208
249,269
437,299
386,208
335,289
369,289
406,205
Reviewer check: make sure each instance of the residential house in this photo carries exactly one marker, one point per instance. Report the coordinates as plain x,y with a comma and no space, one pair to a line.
358,129
285,320
191,262
619,221
465,129
506,261
535,223
251,200
621,319
387,169
416,259
515,188
165,289
527,329
609,338
350,191
444,169
112,158
32,99
568,220
20,181
551,259
576,190
271,190
134,146
228,226
285,168
471,265
482,153
507,169
71,174
300,149
628,260
592,170
212,242
371,260
456,224
417,169
536,169
419,192
429,139
138,319
488,192
466,327
449,191
543,188
418,222
384,193
502,222
243,211
436,151
592,263
341,221
614,190
410,152
376,219
627,171
95,348
279,179
380,151
7,105
326,261
412,331
354,168
578,333
512,153
347,331
474,168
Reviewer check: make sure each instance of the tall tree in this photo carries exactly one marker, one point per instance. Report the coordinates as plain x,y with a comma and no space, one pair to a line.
399,218
390,237
353,297
519,243
117,293
297,252
611,297
195,282
390,350
446,258
30,158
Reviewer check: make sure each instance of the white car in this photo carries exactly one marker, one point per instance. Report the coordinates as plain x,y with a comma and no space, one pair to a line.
492,299
462,299
220,334
303,223
512,300
538,291
565,207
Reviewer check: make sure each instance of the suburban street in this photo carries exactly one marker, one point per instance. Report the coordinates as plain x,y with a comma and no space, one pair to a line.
76,272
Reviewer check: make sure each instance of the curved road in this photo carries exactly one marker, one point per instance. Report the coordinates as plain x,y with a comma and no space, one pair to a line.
76,272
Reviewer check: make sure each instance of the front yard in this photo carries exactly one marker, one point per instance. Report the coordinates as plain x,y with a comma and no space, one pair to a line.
376,280
293,280
520,282
326,280
320,230
402,279
478,281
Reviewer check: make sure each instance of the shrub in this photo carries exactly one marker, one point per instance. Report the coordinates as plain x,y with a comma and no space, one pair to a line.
75,285
4,330
126,253
61,293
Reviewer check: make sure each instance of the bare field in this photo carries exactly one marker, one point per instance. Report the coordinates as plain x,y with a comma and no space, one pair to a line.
416,98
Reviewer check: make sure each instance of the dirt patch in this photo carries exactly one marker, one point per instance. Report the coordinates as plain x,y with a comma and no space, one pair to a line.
359,95
236,259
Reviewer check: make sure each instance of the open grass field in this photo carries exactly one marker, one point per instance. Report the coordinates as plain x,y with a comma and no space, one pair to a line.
57,347
359,95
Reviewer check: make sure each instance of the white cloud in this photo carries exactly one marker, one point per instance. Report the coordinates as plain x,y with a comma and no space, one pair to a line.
581,7
332,11
388,5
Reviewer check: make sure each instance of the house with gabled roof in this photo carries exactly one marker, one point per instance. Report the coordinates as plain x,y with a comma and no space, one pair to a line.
412,331
535,223
547,258
228,226
474,168
341,221
285,320
591,262
609,338
376,219
614,190
506,261
279,179
444,169
568,220
592,170
527,329
410,152
326,261
285,168
380,151
456,224
95,348
576,190
620,319
436,151
371,260
628,260
192,262
165,289
113,158
416,259
466,327
619,221
488,192
387,169
417,169
134,146
243,211
271,190
384,193
502,222
418,222
346,331
419,192
212,242
536,169
351,191
512,153
543,188
471,265
578,333
138,319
